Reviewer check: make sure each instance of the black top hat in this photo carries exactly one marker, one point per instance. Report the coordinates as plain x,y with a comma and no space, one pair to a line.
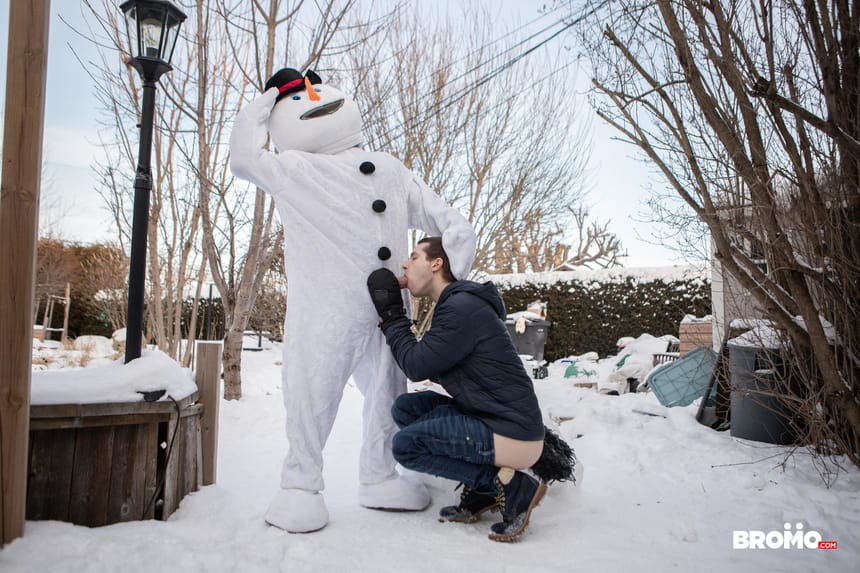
289,80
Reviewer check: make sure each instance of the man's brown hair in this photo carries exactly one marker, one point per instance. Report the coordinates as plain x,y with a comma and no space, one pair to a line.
433,249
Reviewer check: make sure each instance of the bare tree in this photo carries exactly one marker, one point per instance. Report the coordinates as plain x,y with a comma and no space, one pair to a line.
55,264
496,136
53,205
749,110
106,269
267,315
594,245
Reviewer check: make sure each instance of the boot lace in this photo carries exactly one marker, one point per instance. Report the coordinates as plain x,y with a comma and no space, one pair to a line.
500,502
464,495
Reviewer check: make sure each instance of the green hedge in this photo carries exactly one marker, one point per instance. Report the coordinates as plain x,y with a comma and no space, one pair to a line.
591,315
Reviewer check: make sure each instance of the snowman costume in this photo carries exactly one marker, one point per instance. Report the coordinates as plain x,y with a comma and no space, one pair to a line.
345,212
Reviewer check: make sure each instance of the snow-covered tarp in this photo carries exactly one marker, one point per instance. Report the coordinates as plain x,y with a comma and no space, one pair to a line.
634,360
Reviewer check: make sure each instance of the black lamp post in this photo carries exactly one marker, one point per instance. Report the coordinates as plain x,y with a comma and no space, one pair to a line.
153,26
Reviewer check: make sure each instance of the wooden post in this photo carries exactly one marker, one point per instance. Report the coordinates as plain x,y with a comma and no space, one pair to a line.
26,71
208,378
66,312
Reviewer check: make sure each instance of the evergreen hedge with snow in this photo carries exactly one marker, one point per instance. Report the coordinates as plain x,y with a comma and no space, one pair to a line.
591,310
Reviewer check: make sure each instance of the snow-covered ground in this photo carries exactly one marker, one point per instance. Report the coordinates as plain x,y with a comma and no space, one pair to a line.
658,494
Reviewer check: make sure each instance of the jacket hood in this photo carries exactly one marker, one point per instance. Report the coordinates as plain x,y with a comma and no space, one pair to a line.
485,291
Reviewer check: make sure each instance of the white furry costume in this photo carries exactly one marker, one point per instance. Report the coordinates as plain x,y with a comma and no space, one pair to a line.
344,210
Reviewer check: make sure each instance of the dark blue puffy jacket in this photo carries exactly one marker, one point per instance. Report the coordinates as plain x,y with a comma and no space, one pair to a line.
469,352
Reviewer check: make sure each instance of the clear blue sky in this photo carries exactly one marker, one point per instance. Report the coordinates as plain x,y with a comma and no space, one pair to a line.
71,136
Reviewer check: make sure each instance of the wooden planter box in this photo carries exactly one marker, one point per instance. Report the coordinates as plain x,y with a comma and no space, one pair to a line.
97,464
695,334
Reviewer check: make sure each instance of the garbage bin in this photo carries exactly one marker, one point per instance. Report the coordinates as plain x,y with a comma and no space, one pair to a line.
758,409
531,341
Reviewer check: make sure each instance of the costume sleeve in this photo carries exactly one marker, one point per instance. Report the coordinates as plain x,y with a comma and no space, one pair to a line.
431,214
249,158
449,340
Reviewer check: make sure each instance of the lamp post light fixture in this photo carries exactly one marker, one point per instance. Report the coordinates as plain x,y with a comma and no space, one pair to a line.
153,27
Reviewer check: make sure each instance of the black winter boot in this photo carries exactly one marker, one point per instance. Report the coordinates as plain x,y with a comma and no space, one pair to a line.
517,498
472,505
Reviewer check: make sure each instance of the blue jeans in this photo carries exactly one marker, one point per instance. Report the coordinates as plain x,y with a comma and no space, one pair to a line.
436,438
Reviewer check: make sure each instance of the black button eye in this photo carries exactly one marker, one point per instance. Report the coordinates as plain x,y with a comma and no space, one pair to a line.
379,206
297,97
384,253
367,167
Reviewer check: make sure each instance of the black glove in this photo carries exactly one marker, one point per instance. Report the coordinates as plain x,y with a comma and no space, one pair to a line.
385,293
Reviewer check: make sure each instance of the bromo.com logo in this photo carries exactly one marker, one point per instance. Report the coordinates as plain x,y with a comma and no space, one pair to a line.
789,538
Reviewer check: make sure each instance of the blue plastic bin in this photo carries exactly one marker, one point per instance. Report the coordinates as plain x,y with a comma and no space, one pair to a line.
680,382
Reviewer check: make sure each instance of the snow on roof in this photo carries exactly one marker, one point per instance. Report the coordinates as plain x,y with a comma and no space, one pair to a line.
690,319
615,274
767,334
750,323
763,335
526,314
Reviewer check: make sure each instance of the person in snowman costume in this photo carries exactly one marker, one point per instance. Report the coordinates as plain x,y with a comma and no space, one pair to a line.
345,212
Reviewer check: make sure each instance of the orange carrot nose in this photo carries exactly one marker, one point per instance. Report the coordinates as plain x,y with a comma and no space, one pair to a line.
312,95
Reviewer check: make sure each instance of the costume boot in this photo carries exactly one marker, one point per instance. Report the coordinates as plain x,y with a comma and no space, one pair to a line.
398,494
297,511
